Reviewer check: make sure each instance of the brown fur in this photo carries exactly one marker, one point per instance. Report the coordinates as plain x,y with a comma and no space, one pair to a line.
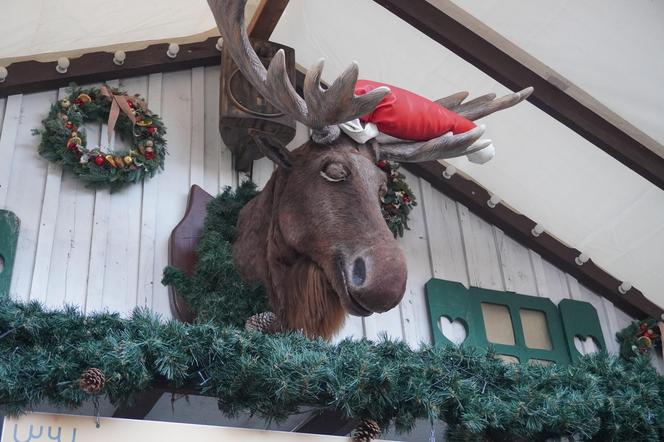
302,234
312,305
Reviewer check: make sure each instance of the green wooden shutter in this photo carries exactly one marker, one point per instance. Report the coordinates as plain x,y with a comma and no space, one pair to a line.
580,319
9,227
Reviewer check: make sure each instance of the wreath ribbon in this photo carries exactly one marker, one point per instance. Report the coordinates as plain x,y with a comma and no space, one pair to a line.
118,102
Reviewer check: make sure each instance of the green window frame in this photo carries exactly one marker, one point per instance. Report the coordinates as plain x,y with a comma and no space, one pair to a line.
569,319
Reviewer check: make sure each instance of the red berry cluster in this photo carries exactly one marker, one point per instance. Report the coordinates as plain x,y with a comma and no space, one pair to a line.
647,332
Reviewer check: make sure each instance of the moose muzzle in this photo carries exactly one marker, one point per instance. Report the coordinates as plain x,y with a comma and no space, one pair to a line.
375,279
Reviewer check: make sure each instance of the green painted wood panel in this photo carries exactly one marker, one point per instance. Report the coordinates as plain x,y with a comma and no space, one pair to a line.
580,319
454,301
9,228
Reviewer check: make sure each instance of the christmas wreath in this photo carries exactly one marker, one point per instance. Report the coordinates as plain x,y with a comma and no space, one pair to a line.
64,140
398,201
640,337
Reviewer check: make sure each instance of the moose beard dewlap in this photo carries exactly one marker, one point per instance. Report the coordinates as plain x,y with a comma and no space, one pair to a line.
408,116
312,305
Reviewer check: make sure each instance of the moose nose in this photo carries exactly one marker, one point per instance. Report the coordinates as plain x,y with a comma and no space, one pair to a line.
378,278
359,272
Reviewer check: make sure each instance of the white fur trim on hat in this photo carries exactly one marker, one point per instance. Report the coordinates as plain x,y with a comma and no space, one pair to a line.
358,133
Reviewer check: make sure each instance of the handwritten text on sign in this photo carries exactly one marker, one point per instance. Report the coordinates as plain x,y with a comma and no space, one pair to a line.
42,427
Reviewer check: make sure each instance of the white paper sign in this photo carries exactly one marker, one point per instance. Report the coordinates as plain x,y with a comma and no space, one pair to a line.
43,427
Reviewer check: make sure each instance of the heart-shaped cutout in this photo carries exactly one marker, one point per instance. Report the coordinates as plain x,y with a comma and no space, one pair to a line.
586,346
455,330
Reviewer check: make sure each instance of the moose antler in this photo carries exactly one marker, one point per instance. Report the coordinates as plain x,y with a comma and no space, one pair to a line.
448,145
321,110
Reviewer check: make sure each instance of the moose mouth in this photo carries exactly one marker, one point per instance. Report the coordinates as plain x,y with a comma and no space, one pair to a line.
350,303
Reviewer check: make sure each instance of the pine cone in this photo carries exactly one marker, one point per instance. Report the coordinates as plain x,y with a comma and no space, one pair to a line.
367,431
265,322
92,381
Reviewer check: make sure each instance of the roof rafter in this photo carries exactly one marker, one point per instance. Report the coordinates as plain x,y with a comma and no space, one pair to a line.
266,18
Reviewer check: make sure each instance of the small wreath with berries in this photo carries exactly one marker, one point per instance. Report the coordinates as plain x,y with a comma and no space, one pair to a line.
398,201
64,139
640,337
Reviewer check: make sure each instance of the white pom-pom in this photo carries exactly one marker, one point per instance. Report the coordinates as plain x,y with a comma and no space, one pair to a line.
482,156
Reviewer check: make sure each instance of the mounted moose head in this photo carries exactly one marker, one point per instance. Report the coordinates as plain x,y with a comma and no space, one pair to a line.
315,235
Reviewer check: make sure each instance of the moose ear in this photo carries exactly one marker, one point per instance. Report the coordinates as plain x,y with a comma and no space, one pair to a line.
272,149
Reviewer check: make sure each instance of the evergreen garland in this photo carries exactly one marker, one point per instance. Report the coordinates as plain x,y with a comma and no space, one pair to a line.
43,353
64,140
215,290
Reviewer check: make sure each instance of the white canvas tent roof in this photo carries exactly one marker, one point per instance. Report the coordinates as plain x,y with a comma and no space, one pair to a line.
542,168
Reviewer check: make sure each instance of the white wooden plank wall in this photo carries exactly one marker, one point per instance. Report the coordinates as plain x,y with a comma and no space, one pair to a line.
107,251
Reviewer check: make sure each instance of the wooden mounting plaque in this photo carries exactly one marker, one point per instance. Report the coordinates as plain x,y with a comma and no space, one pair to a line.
182,246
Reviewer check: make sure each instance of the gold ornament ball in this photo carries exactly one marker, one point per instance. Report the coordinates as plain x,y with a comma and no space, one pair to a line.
149,143
85,98
64,103
128,160
74,134
644,342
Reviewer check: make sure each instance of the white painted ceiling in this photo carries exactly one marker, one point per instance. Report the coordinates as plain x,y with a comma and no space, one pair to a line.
611,49
542,169
46,26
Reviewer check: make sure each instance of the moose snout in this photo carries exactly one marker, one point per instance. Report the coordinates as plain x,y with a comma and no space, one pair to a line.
376,278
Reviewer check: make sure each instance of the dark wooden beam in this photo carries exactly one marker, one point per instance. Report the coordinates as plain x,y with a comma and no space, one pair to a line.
143,404
329,422
34,76
519,227
513,74
265,18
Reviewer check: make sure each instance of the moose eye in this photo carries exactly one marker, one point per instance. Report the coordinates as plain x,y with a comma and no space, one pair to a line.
334,172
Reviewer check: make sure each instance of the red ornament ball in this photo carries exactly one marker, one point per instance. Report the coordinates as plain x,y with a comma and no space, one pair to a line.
69,125
382,164
149,155
130,104
99,160
406,199
72,146
78,102
152,130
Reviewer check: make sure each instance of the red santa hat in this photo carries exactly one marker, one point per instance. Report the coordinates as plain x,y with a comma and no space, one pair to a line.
408,116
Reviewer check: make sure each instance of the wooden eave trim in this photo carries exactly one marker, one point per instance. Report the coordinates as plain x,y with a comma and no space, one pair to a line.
34,76
548,95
